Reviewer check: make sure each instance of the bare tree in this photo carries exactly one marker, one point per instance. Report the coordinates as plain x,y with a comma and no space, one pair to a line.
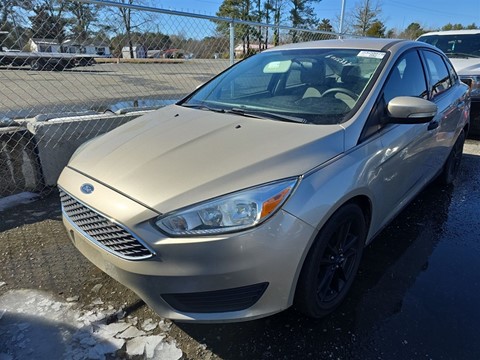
364,15
130,21
7,8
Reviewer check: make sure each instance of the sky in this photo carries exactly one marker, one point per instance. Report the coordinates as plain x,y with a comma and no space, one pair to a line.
398,14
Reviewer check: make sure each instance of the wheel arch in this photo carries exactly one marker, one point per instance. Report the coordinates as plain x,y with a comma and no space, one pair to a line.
300,290
363,202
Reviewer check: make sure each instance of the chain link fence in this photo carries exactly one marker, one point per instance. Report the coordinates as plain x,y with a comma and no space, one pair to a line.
68,79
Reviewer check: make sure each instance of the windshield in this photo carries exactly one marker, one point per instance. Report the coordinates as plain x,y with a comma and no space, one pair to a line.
317,86
466,45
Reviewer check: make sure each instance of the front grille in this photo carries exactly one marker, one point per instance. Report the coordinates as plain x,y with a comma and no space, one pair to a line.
235,299
101,230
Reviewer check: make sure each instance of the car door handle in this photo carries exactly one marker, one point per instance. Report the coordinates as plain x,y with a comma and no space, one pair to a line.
432,125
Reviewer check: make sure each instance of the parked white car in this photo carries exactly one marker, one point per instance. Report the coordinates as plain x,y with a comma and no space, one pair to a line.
463,49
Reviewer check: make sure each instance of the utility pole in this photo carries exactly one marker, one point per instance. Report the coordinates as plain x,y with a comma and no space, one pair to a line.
342,15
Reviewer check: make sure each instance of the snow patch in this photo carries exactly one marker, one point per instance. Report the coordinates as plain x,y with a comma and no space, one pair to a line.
145,345
164,326
149,325
167,351
130,333
36,325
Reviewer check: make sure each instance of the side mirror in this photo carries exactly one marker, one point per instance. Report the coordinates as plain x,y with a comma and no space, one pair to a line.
410,110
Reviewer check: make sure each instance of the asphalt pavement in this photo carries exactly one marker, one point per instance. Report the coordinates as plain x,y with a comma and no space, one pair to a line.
26,93
416,295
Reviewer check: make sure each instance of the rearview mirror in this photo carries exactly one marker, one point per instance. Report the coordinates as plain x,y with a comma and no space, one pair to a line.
410,110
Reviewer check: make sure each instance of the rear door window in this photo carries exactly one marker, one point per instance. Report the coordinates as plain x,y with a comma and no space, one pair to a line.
439,76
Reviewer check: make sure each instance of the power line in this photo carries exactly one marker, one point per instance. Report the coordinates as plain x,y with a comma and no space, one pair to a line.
429,10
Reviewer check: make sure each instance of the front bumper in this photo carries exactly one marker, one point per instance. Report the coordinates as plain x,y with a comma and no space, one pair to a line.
231,277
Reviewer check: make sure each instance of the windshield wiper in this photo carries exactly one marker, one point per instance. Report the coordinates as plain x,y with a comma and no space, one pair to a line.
259,114
203,107
461,55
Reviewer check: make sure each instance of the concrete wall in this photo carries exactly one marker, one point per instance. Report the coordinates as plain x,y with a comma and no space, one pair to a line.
57,139
19,165
33,155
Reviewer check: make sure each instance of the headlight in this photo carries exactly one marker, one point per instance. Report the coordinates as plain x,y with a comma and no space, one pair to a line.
233,212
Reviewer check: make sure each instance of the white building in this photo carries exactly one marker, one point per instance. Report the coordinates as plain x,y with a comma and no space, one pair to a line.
89,47
253,47
139,52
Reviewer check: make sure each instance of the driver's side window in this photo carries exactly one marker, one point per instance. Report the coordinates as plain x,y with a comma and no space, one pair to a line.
406,79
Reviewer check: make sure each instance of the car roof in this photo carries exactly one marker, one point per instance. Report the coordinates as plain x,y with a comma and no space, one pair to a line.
453,32
374,44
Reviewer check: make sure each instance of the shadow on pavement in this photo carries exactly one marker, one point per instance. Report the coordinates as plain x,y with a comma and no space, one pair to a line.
47,207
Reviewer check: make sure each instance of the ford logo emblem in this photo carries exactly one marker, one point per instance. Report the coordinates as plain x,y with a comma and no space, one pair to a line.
87,188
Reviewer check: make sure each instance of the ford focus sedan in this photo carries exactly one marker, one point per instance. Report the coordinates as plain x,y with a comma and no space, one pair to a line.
259,190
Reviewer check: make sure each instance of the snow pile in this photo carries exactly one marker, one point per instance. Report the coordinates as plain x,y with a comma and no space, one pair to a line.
34,325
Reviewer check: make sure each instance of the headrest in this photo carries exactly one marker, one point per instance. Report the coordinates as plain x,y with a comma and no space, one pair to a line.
313,73
350,74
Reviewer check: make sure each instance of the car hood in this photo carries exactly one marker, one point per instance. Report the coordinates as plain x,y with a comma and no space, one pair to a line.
177,156
467,67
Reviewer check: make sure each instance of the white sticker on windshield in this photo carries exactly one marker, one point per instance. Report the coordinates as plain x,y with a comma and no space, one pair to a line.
371,54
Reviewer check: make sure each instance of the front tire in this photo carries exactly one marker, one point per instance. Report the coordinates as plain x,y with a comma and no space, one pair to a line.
332,262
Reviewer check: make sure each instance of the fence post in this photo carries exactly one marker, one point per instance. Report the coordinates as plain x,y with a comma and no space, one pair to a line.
232,43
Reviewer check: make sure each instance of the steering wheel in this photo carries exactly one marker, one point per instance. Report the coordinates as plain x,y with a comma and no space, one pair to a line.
341,90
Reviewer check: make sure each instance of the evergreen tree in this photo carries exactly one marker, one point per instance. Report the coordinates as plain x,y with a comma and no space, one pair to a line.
452,27
325,25
83,17
377,29
302,15
413,31
16,35
48,20
240,10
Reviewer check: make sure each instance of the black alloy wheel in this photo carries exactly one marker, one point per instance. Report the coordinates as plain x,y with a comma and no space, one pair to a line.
332,263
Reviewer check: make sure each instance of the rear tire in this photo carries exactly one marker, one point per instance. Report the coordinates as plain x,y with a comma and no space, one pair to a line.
35,65
39,65
332,262
450,169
